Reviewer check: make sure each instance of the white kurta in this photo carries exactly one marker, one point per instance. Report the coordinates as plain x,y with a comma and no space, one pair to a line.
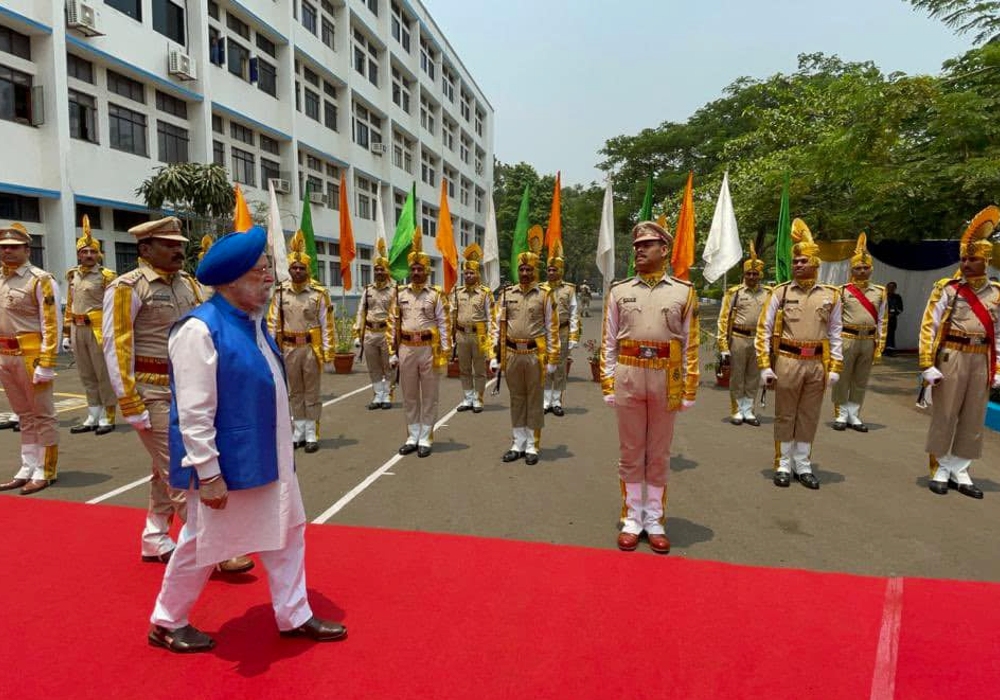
256,519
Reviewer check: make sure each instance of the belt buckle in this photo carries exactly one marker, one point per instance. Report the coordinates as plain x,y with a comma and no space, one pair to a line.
807,352
976,340
647,352
522,346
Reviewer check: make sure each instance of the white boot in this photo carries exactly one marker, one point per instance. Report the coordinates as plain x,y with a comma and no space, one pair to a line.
632,521
852,413
840,421
310,433
29,461
477,399
384,391
521,439
652,517
746,408
556,398
547,399
107,416
530,444
298,432
800,457
785,457
94,414
424,436
412,433
957,469
468,397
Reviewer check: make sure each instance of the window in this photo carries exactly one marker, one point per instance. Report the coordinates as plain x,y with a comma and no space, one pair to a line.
126,87
428,172
269,170
367,126
213,9
238,25
123,220
427,58
480,195
310,76
427,109
330,114
217,124
168,20
314,163
15,207
127,130
365,57
267,78
309,17
172,142
464,148
480,235
15,43
315,184
216,47
126,256
448,83
480,154
328,33
480,118
448,133
466,232
171,105
93,213
429,218
399,201
243,166
465,186
366,274
82,116
373,6
15,95
80,69
219,153
132,8
311,101
241,133
450,177
268,145
266,45
333,194
237,59
400,26
366,191
400,91
402,152
464,107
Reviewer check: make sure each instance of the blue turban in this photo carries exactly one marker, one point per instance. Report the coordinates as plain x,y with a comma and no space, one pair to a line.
231,256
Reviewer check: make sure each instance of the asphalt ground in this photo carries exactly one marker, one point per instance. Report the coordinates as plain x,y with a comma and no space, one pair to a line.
873,514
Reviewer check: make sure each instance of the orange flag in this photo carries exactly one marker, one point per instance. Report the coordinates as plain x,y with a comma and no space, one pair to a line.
347,248
445,241
554,232
242,221
682,256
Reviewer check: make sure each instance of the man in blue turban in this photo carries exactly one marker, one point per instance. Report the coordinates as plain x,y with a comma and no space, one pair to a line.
231,450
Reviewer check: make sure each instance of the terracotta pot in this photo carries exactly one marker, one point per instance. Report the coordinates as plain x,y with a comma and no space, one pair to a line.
343,362
453,368
595,371
722,374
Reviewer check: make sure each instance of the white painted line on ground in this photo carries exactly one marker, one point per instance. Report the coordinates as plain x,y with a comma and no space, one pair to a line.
119,490
381,471
349,394
884,676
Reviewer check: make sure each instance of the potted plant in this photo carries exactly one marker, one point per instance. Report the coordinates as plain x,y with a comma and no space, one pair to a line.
593,350
343,349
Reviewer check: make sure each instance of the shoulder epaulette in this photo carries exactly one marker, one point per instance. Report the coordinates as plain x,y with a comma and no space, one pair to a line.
733,288
615,283
69,273
108,274
766,288
780,285
129,278
678,279
570,285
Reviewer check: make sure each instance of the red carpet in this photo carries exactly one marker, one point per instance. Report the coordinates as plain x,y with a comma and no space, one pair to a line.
439,616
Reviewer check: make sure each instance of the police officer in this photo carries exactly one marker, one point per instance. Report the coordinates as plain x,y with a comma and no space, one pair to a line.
649,372
369,330
564,296
29,343
82,324
586,294
473,328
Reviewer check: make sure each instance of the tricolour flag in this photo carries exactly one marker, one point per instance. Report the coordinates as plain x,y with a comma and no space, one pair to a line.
783,242
722,249
306,227
403,238
347,249
445,241
682,255
606,239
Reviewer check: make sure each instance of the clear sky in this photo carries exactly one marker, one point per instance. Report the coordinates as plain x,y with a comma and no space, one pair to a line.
564,76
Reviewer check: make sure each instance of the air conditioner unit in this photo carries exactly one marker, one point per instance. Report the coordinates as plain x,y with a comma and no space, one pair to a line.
281,186
83,17
378,148
317,198
181,65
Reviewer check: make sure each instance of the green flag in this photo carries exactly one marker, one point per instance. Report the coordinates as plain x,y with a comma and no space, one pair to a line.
399,268
306,227
783,243
645,214
519,243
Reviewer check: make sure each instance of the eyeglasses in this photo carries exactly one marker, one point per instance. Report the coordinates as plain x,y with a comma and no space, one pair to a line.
262,270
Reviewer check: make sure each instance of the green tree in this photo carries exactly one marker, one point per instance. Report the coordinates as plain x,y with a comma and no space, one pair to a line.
966,16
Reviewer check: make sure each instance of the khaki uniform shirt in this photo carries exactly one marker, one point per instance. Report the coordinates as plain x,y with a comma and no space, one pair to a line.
303,312
140,307
856,316
419,310
85,296
375,304
811,317
744,315
564,295
963,321
529,315
28,313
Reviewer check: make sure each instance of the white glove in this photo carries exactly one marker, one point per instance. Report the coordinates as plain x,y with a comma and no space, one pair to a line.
996,381
140,421
357,343
832,378
550,369
932,375
768,377
43,375
67,345
609,399
725,355
494,364
573,345
393,360
685,404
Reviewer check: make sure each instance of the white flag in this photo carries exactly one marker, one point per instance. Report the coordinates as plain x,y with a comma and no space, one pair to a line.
379,217
491,249
276,237
722,249
606,239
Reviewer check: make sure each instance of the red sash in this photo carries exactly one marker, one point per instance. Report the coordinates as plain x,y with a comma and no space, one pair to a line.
966,292
863,300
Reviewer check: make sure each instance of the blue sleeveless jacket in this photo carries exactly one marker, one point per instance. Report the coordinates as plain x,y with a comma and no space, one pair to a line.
246,434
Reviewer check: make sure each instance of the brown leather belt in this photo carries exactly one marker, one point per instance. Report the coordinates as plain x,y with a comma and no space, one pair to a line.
966,339
565,324
522,344
859,331
81,320
646,352
743,332
815,351
465,329
415,336
296,338
151,365
376,325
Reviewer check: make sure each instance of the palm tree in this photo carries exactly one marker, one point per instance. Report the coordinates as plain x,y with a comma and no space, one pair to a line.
965,16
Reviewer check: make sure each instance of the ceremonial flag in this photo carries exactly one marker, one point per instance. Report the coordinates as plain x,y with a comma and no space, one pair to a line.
242,221
682,255
783,242
491,249
606,239
379,217
722,249
403,238
445,241
554,232
645,214
519,244
306,227
276,237
347,249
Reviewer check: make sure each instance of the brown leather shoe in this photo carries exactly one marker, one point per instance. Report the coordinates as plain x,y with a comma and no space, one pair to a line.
34,486
318,630
236,565
659,543
627,542
13,484
158,558
183,640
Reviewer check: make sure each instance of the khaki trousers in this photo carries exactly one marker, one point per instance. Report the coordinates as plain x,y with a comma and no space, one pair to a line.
859,355
645,426
798,396
557,381
744,377
302,369
959,408
164,501
471,366
32,403
93,371
419,383
377,356
524,374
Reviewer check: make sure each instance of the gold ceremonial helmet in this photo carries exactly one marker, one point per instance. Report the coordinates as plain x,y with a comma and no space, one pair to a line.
556,258
206,243
297,248
861,255
753,262
87,240
976,239
533,255
417,256
473,256
381,256
803,243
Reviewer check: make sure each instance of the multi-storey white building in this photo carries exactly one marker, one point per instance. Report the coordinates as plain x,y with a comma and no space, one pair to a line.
97,94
